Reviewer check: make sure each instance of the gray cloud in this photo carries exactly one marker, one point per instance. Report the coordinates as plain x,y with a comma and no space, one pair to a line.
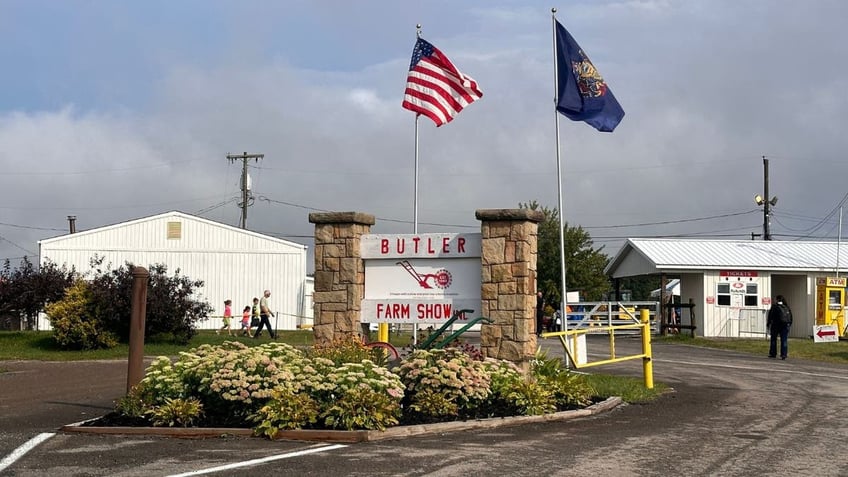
708,87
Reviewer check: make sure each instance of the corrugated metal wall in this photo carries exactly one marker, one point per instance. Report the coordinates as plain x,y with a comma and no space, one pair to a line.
234,264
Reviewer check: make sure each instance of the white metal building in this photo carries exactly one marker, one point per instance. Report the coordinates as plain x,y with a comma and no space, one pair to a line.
732,282
234,263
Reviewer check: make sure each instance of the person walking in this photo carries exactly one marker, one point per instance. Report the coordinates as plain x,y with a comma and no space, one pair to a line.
245,321
778,323
264,315
228,315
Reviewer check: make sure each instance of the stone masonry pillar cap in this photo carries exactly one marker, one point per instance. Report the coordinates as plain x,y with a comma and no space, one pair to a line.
509,214
341,218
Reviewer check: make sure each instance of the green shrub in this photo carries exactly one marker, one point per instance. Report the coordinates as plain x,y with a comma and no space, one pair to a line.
176,412
570,390
530,397
430,405
362,407
504,376
285,410
132,404
74,325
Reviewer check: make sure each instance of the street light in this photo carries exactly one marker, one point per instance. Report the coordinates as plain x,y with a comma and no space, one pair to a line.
759,200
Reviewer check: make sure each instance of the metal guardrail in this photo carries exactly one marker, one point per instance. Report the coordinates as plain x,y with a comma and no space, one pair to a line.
643,326
595,314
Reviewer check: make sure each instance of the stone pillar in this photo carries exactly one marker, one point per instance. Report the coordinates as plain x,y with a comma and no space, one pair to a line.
509,283
339,273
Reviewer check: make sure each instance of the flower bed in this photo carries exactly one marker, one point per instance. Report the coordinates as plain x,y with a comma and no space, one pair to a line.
275,387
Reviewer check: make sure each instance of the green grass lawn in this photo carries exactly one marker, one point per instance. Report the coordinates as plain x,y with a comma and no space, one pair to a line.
631,390
39,345
835,352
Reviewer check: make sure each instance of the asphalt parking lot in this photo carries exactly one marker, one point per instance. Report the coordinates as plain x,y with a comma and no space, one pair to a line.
729,414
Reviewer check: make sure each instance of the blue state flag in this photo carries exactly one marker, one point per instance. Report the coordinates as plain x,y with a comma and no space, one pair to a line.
581,91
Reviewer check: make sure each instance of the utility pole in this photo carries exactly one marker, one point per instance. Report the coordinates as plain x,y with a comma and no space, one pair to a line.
244,185
766,202
766,218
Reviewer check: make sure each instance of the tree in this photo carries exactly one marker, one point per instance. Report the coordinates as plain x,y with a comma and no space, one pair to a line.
172,310
584,263
641,286
74,324
25,291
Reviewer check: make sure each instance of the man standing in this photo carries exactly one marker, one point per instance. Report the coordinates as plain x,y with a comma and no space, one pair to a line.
540,310
778,322
264,315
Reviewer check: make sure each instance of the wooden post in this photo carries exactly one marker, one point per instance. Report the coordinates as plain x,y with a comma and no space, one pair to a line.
135,364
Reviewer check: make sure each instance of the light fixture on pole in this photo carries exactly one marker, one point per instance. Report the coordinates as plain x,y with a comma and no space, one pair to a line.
766,213
765,201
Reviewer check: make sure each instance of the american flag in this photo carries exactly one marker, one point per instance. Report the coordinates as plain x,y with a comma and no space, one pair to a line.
435,87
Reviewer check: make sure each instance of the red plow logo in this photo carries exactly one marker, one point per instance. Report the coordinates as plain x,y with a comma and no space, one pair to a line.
441,279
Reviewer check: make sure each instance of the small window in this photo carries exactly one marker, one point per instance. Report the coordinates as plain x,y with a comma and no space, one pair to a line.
723,294
751,294
175,230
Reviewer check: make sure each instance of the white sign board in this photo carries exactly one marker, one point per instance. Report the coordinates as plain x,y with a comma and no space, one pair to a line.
825,333
420,278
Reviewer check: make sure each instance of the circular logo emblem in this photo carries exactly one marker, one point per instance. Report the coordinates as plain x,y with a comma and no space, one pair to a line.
443,278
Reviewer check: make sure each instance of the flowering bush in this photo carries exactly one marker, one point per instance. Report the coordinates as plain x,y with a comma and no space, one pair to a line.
350,349
275,386
449,372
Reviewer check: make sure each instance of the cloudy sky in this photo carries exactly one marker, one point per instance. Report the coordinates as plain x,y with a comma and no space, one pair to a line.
116,110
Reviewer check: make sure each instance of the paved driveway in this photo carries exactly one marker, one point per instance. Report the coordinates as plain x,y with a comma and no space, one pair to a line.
730,414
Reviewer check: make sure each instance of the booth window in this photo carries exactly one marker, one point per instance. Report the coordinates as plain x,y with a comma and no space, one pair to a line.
751,294
723,294
749,297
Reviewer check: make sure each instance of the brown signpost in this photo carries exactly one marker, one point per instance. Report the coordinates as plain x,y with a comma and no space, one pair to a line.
135,364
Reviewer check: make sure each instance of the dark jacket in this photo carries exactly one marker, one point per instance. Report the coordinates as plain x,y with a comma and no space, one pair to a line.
775,313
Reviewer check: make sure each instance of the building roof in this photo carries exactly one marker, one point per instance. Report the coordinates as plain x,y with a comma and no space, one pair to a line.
171,215
651,256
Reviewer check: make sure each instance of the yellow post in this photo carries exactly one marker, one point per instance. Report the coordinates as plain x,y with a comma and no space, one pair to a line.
383,332
647,360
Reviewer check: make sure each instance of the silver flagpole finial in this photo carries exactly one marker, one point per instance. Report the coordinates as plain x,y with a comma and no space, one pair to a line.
553,10
418,30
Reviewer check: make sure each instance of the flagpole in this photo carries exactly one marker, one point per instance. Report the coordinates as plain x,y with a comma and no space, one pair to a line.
838,242
564,300
415,201
415,188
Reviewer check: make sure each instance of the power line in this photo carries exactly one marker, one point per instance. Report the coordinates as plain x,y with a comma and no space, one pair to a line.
666,222
30,252
216,206
30,227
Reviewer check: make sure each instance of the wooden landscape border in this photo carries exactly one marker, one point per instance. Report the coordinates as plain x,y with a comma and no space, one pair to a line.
325,435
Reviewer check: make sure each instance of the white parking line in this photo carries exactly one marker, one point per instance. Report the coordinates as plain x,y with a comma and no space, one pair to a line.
22,450
259,461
